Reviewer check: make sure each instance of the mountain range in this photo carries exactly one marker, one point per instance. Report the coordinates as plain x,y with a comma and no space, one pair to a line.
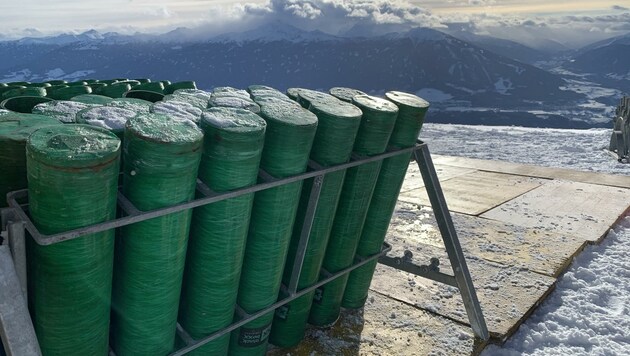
483,76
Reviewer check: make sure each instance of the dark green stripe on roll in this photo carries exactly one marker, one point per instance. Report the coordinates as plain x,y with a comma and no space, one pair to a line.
233,144
338,123
72,180
288,141
410,118
160,169
377,123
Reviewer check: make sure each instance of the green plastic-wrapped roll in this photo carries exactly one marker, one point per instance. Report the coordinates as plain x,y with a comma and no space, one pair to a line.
229,91
114,90
148,95
23,91
234,102
56,82
37,85
108,117
410,118
133,104
144,80
233,143
161,158
306,96
4,89
171,88
345,94
178,110
196,97
293,93
150,86
72,181
64,111
259,91
377,123
92,99
70,92
288,141
337,127
14,130
23,104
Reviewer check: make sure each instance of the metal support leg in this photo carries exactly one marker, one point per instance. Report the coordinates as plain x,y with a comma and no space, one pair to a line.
451,242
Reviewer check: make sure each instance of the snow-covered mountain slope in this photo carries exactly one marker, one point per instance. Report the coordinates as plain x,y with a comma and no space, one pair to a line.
587,313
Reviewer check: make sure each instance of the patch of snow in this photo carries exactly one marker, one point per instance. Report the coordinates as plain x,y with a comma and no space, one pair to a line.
502,86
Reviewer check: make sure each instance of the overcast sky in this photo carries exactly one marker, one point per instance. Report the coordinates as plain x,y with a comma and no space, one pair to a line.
573,23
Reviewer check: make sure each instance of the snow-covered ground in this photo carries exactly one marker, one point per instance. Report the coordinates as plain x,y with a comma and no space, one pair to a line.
589,311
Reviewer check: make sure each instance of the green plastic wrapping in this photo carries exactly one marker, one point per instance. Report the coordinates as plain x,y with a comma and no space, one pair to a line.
288,141
230,91
233,143
133,104
148,95
234,102
24,91
68,93
161,158
345,94
156,87
4,89
259,91
14,130
171,88
108,117
410,118
178,110
72,180
145,80
338,123
56,82
92,99
377,123
195,97
306,96
293,93
62,110
23,104
114,90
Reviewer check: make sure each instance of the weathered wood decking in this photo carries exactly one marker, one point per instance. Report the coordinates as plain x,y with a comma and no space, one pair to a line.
520,226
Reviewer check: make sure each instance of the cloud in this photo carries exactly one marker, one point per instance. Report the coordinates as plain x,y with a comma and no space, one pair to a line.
620,8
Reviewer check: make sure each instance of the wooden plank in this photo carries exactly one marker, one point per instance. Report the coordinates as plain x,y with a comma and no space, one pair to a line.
535,171
583,210
539,250
476,192
387,327
413,179
507,294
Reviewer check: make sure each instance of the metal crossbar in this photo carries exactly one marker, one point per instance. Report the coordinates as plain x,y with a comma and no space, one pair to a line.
15,222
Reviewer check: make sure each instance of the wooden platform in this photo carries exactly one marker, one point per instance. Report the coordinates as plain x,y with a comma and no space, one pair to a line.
520,227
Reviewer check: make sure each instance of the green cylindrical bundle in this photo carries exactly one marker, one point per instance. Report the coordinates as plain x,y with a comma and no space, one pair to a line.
56,82
234,102
92,99
144,80
72,181
161,158
195,97
114,90
293,93
133,104
288,141
259,91
108,117
23,91
229,91
171,88
64,111
233,143
14,130
178,110
148,95
4,89
23,104
306,96
410,118
37,85
150,86
338,123
345,94
377,123
70,92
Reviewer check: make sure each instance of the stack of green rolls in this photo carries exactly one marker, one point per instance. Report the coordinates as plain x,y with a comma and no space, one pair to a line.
288,141
377,123
337,127
410,118
69,168
161,158
233,144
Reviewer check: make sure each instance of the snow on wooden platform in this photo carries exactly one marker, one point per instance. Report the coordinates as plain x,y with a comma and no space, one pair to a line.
520,227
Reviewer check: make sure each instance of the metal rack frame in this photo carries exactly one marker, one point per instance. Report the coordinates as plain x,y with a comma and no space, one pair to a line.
15,223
